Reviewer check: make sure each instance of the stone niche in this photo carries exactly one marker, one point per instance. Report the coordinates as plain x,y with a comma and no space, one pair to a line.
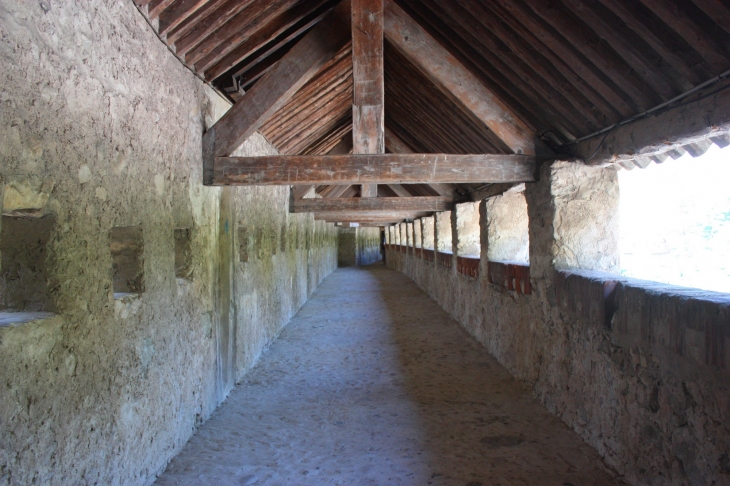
127,249
183,254
24,280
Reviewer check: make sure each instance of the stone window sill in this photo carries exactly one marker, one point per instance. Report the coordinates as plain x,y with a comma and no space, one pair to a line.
691,323
14,319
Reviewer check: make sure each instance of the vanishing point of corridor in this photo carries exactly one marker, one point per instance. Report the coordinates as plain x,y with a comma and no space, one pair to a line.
372,383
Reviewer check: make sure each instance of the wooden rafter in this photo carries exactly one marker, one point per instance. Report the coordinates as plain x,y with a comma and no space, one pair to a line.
455,80
277,86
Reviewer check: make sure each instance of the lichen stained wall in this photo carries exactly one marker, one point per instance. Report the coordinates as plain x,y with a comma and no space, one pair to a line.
638,369
100,127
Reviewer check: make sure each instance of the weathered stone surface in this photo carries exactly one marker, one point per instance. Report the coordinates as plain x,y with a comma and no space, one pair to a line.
467,229
26,197
110,389
428,232
638,369
443,231
507,228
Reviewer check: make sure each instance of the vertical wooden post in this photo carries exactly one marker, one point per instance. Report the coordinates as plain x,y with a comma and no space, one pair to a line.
368,119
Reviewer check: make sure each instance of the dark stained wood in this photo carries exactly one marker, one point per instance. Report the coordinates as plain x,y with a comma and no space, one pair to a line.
672,48
318,116
372,218
589,44
649,65
364,169
566,101
242,26
394,144
172,16
514,92
278,85
491,190
155,7
717,11
427,121
372,204
455,80
522,38
368,117
664,133
268,36
367,52
298,192
191,21
679,15
198,28
400,190
368,190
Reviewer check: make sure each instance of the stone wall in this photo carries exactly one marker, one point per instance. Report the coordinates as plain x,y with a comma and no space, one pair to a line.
100,128
640,370
507,228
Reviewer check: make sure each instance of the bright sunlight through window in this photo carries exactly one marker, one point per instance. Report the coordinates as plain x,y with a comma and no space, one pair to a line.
675,221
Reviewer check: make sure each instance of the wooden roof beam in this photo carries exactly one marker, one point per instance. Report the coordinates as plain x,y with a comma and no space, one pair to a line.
368,116
277,86
369,204
455,81
369,169
391,217
397,146
667,132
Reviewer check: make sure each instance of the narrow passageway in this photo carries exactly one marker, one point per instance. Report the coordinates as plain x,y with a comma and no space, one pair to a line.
373,383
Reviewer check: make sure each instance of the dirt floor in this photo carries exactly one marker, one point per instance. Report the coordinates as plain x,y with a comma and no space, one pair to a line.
372,383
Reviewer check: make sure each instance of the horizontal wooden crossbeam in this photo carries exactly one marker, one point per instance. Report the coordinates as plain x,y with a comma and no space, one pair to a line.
372,204
369,215
370,168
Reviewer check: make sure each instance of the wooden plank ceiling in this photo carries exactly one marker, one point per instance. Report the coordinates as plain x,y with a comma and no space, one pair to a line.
566,68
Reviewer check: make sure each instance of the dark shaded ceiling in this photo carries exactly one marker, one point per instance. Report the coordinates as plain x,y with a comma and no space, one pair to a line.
566,67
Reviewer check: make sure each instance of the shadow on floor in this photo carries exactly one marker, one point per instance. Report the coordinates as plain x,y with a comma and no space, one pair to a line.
372,383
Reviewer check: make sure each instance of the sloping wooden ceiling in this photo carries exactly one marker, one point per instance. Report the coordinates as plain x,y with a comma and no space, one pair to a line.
566,67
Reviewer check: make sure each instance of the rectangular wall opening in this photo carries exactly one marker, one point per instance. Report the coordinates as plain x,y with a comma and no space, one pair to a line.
183,254
24,289
127,249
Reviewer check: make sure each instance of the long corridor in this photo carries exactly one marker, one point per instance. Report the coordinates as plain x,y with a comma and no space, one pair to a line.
372,383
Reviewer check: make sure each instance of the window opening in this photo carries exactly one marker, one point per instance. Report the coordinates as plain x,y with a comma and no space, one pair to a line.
183,254
24,289
127,249
675,221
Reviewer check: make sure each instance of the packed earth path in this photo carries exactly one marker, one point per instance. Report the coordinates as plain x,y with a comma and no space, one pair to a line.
372,383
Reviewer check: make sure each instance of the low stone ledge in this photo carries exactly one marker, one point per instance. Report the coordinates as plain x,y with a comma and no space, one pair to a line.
14,319
690,323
